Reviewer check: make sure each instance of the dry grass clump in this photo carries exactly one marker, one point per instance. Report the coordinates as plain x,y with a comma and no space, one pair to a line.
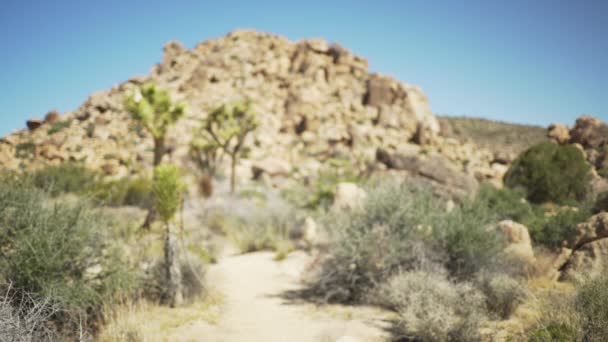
433,308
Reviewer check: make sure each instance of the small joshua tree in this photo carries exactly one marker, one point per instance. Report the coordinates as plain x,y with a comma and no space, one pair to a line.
225,129
155,110
168,191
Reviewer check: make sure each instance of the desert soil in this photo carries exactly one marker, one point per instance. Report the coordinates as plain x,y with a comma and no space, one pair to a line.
252,289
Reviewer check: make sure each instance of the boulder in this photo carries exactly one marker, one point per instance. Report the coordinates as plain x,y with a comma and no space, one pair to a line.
590,132
595,228
518,240
558,133
51,117
34,124
590,260
348,196
589,246
379,91
453,183
271,166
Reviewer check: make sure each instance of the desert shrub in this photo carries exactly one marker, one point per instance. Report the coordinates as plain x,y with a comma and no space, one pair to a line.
582,316
386,235
550,173
464,236
503,293
64,178
554,228
432,308
507,204
591,302
57,250
266,229
58,126
26,321
125,191
25,150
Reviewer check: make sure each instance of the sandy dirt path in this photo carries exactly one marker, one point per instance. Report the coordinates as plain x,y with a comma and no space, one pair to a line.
251,286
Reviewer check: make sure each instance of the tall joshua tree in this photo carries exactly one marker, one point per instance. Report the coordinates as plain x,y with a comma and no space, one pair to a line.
225,129
154,109
168,191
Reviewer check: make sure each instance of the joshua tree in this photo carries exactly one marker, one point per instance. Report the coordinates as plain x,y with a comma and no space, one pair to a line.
225,129
168,191
155,110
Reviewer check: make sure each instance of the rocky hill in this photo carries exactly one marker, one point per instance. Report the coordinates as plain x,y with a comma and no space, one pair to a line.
315,101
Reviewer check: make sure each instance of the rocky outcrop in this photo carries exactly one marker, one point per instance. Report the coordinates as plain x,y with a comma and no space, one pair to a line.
348,196
558,133
436,170
314,101
588,249
518,242
590,132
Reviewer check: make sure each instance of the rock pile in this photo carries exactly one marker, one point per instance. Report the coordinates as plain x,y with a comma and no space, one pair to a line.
315,101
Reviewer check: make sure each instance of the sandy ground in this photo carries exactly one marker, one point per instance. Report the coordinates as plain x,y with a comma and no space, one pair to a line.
254,309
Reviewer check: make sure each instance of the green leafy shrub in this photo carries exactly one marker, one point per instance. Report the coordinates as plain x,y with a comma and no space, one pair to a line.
126,191
431,308
554,228
64,178
591,302
550,173
58,250
507,204
58,126
464,236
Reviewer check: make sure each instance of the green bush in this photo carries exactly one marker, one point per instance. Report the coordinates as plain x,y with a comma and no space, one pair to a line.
552,229
64,178
591,302
550,173
507,204
58,126
464,236
57,250
126,191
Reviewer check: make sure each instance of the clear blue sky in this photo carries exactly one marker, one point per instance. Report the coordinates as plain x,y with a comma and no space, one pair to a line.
529,61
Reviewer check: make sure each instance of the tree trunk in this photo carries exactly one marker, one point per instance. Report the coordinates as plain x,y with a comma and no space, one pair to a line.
232,174
173,277
159,150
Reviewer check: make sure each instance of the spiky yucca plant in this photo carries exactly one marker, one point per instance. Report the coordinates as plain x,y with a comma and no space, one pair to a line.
225,130
168,191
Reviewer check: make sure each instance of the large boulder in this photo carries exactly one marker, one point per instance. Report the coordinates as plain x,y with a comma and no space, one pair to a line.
589,249
379,91
595,228
517,238
558,133
588,261
348,196
435,169
590,132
